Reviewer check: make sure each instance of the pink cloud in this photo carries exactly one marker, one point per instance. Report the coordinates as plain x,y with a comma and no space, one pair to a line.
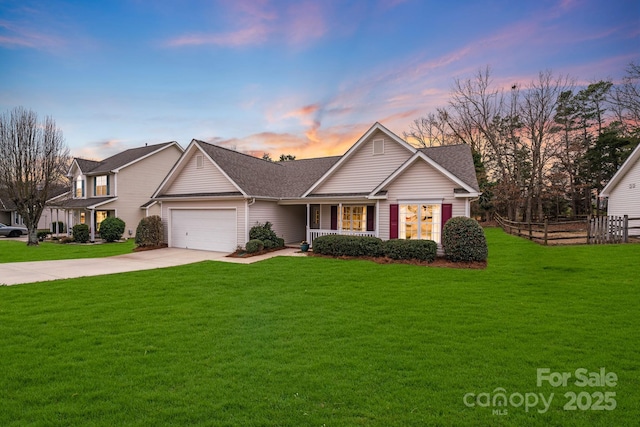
20,35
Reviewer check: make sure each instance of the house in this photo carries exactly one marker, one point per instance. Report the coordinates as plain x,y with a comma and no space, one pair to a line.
8,213
382,186
118,186
52,216
623,191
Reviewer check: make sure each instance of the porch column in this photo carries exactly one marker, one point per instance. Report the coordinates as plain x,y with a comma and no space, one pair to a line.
307,235
92,221
339,218
378,218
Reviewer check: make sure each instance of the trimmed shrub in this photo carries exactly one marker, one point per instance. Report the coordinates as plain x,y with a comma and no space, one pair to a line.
111,229
254,245
80,233
264,233
338,245
42,234
423,250
463,240
150,231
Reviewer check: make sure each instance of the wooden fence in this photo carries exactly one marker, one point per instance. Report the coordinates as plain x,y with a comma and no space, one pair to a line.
592,230
568,232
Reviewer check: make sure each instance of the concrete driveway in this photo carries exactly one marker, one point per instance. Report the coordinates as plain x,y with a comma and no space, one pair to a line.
38,271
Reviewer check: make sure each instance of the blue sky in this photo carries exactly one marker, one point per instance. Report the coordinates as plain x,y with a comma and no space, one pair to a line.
298,77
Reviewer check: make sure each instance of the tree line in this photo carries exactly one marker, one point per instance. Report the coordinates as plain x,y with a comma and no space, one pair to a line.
545,149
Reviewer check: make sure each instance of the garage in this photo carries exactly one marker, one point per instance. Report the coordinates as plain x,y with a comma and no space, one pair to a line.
204,229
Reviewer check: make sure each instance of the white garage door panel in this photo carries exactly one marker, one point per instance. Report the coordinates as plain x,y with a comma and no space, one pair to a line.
204,229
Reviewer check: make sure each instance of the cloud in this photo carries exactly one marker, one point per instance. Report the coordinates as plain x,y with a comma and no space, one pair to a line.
20,35
100,150
258,22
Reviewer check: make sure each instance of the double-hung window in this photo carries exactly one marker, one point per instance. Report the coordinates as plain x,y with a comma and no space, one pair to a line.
354,218
79,188
420,221
101,187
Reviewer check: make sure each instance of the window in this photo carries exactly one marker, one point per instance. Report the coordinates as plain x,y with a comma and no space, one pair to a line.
83,218
100,216
354,218
18,219
79,188
378,146
199,161
101,187
420,221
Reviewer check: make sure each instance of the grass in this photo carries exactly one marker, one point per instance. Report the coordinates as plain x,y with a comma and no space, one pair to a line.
15,251
314,341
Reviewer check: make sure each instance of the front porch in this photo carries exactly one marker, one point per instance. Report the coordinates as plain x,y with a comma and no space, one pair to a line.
351,218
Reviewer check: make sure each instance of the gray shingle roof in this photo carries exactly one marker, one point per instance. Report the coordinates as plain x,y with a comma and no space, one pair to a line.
262,178
457,159
83,203
91,167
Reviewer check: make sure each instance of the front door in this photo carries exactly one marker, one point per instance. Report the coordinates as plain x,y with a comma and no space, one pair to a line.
314,216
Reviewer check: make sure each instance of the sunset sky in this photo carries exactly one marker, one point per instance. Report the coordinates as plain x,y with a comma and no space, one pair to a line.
299,77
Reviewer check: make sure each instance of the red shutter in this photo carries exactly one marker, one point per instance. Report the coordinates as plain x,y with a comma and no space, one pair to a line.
393,221
447,211
334,217
371,212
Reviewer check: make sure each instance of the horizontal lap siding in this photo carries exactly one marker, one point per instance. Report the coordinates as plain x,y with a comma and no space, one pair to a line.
239,205
135,184
289,222
363,171
207,179
419,181
625,197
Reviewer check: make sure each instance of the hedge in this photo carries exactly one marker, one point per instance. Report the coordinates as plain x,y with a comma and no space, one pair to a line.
339,245
423,250
150,231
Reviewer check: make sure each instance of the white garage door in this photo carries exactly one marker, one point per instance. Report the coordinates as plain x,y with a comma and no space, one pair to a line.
204,229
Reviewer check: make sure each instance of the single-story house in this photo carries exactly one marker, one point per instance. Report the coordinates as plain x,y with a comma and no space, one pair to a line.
382,186
623,191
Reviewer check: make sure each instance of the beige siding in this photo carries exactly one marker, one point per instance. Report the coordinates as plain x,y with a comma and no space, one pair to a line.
239,205
289,222
420,181
135,184
207,179
624,199
364,171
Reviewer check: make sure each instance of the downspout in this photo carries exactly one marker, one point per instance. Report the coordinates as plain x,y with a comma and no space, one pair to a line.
468,207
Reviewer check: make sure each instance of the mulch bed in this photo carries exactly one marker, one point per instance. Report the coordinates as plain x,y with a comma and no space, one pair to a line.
438,262
244,254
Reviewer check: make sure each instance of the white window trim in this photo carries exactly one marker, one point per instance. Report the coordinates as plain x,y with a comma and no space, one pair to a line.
199,161
350,207
420,203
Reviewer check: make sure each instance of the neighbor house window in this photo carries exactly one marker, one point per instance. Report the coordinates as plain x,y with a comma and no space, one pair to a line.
101,187
100,216
79,188
354,218
420,221
18,219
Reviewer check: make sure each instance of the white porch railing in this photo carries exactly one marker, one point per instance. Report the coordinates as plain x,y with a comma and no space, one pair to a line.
313,233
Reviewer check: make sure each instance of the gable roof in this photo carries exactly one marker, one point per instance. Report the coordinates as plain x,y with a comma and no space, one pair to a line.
457,159
259,177
626,167
376,127
121,160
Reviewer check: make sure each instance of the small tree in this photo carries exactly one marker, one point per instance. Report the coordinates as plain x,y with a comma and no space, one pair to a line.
463,240
111,229
33,157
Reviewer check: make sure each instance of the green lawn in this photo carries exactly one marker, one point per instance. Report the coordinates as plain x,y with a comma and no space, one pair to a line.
314,341
15,251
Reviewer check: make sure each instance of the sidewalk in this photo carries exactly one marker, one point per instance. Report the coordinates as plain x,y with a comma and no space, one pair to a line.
39,271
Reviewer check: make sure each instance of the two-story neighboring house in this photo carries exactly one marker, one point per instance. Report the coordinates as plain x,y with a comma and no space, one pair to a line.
119,186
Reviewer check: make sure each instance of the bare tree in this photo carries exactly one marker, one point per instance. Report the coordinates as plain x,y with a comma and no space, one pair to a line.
626,99
33,158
